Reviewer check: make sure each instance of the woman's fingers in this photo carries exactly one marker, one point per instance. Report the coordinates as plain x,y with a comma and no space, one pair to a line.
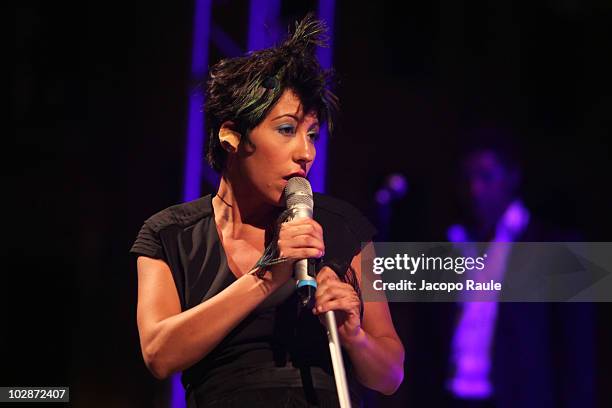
300,253
305,221
304,226
333,288
291,230
299,239
341,297
348,305
336,295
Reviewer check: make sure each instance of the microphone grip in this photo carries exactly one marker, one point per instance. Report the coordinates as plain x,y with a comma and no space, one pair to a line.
306,285
303,270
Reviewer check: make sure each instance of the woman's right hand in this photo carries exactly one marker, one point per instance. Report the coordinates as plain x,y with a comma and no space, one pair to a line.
297,239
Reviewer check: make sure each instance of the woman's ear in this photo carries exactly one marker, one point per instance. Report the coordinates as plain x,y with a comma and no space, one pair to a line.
229,138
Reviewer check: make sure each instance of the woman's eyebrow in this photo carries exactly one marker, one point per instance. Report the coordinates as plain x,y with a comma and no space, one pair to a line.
287,114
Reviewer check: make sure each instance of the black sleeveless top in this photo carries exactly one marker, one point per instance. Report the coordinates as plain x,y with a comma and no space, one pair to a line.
278,344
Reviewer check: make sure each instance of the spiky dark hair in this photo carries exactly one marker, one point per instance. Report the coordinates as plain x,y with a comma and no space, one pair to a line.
244,89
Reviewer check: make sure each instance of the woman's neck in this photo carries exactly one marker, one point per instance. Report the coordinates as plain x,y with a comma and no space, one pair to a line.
238,212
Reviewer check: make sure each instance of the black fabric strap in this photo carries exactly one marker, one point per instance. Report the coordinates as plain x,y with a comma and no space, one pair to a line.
309,391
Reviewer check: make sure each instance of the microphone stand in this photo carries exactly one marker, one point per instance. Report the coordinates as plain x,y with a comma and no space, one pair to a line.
337,362
306,286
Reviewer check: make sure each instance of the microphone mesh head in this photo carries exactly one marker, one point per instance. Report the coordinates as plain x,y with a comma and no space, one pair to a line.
298,191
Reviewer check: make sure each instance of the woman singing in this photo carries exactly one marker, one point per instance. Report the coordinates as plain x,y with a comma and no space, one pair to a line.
209,306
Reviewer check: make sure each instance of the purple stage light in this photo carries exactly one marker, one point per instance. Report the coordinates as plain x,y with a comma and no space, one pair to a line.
383,196
398,185
195,123
195,138
263,24
319,168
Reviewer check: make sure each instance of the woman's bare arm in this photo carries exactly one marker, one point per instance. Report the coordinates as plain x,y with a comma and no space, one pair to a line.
172,340
373,345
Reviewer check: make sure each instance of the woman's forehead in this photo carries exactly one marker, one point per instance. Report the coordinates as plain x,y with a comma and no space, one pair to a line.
290,104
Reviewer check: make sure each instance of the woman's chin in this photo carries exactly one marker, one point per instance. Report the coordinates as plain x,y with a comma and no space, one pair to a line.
279,200
273,197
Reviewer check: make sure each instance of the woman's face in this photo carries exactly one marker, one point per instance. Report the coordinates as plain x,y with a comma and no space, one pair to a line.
282,147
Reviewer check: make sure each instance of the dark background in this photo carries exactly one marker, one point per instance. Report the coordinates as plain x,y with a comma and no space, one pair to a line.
99,102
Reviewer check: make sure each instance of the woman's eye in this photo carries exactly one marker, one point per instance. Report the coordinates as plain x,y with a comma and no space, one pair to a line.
314,136
286,130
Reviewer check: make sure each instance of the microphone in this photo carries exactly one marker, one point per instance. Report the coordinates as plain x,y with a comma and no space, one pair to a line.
298,196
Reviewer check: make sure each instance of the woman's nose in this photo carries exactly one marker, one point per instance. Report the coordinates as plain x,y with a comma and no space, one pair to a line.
304,150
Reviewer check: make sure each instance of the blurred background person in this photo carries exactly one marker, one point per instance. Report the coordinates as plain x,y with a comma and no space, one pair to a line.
512,354
489,353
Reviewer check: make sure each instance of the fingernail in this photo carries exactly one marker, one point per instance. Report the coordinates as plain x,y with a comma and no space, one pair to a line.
320,308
